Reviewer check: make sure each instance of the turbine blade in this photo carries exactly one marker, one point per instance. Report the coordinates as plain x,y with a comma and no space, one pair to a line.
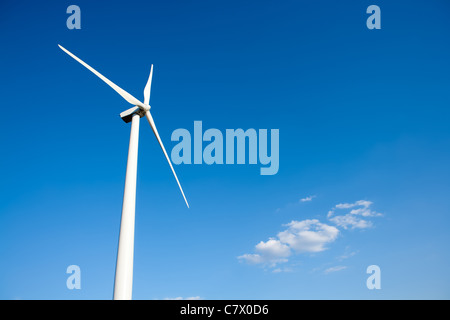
128,97
155,131
148,86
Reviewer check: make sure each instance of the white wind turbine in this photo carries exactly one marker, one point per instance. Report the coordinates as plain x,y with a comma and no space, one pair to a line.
124,268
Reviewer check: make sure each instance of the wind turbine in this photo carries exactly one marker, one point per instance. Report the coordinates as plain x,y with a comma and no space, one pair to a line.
123,283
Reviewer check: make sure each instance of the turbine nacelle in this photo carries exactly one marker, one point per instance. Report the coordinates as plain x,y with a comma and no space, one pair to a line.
127,115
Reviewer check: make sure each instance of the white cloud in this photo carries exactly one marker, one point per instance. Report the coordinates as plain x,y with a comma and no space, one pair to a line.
269,252
353,218
279,270
311,235
300,237
251,258
273,249
309,198
334,269
308,235
351,221
363,203
347,255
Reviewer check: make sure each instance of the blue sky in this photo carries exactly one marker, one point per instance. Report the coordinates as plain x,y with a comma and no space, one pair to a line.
363,119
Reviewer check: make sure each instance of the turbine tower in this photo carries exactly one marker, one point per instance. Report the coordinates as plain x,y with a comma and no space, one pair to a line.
123,283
